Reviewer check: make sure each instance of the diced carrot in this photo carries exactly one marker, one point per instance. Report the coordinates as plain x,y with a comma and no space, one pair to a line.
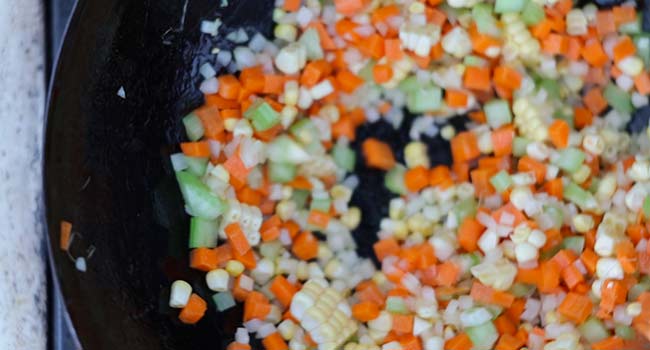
193,310
642,83
300,183
249,196
365,311
626,255
291,5
558,133
349,7
624,14
605,22
464,147
203,259
515,310
386,247
555,44
481,181
468,234
611,343
65,234
378,154
248,259
440,175
456,98
229,87
509,342
382,73
393,49
305,246
595,101
256,306
416,178
589,259
274,341
196,149
504,325
461,170
369,291
314,72
482,43
583,117
502,140
542,29
477,78
402,324
623,48
507,77
613,293
478,116
576,307
238,346
372,46
318,218
593,53
223,254
527,163
549,278
459,342
283,290
237,170
348,81
448,274
325,39
237,239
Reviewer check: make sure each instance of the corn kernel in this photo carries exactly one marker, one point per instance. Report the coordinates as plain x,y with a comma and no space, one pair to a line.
234,268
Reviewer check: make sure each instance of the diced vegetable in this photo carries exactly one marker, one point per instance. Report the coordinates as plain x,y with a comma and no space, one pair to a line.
262,115
193,127
593,330
198,197
203,233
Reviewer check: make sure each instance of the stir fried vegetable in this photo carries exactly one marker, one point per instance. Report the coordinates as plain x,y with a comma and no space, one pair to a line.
535,236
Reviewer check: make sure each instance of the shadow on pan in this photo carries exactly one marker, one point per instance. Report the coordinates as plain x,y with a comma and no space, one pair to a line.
107,169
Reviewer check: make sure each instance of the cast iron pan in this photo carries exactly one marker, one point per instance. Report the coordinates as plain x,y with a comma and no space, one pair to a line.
107,168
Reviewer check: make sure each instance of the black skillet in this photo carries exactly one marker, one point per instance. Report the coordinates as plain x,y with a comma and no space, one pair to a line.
107,168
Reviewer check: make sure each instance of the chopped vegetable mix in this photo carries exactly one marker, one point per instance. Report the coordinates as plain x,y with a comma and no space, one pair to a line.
535,236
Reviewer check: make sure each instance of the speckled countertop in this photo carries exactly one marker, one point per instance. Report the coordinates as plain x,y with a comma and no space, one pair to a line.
22,250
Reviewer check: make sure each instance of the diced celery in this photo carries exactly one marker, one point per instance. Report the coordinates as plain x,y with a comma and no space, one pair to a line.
519,146
198,197
223,300
551,86
472,60
466,207
639,288
570,159
625,332
300,198
396,305
305,131
485,21
262,115
426,99
501,181
504,6
555,214
593,330
497,113
285,150
618,99
642,43
646,207
574,243
203,233
547,254
196,165
321,204
409,84
311,41
578,195
483,336
522,290
394,180
193,127
366,72
282,172
344,157
533,13
633,27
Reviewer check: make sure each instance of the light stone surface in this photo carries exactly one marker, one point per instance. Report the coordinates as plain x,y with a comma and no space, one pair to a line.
22,249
